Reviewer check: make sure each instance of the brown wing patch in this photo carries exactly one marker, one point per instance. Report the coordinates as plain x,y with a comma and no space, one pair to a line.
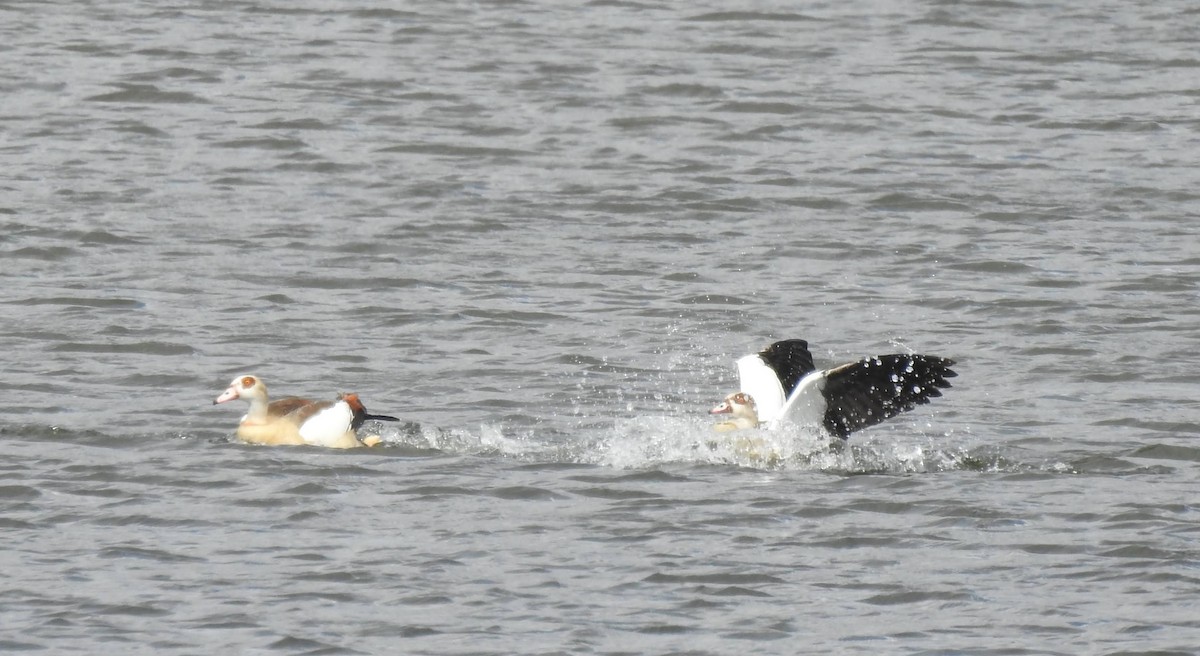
302,413
286,406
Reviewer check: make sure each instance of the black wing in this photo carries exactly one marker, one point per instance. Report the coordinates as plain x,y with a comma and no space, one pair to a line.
864,393
790,360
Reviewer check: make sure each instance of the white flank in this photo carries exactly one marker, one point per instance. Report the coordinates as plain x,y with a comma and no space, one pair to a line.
327,426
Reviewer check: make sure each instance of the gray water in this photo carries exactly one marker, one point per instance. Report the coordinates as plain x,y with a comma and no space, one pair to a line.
541,233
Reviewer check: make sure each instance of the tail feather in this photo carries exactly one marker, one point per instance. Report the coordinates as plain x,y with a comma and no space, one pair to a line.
361,416
367,417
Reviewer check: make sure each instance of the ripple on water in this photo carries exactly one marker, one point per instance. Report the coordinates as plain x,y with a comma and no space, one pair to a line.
545,252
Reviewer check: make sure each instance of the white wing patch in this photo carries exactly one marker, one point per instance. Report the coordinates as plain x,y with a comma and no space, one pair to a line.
760,382
327,426
806,406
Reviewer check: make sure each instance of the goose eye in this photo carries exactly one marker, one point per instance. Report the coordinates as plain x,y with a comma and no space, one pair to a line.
248,382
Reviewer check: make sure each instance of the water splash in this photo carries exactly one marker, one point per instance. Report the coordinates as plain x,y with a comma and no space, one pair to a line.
654,441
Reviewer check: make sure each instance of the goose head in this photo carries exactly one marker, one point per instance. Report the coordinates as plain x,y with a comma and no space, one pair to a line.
741,410
247,387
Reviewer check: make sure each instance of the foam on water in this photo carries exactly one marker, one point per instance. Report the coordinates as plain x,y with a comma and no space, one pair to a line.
652,442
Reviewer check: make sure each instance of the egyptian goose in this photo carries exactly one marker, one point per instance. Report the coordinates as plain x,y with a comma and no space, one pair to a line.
780,384
294,420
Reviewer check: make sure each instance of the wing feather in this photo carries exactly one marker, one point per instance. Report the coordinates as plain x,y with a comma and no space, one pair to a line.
864,393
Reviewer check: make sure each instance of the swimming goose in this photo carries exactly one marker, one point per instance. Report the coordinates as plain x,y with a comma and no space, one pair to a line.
781,384
294,420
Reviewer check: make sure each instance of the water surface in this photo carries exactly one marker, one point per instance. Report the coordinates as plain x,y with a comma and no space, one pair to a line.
542,234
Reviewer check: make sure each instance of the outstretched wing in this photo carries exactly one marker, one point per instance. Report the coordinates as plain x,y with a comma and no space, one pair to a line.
790,360
772,374
864,393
